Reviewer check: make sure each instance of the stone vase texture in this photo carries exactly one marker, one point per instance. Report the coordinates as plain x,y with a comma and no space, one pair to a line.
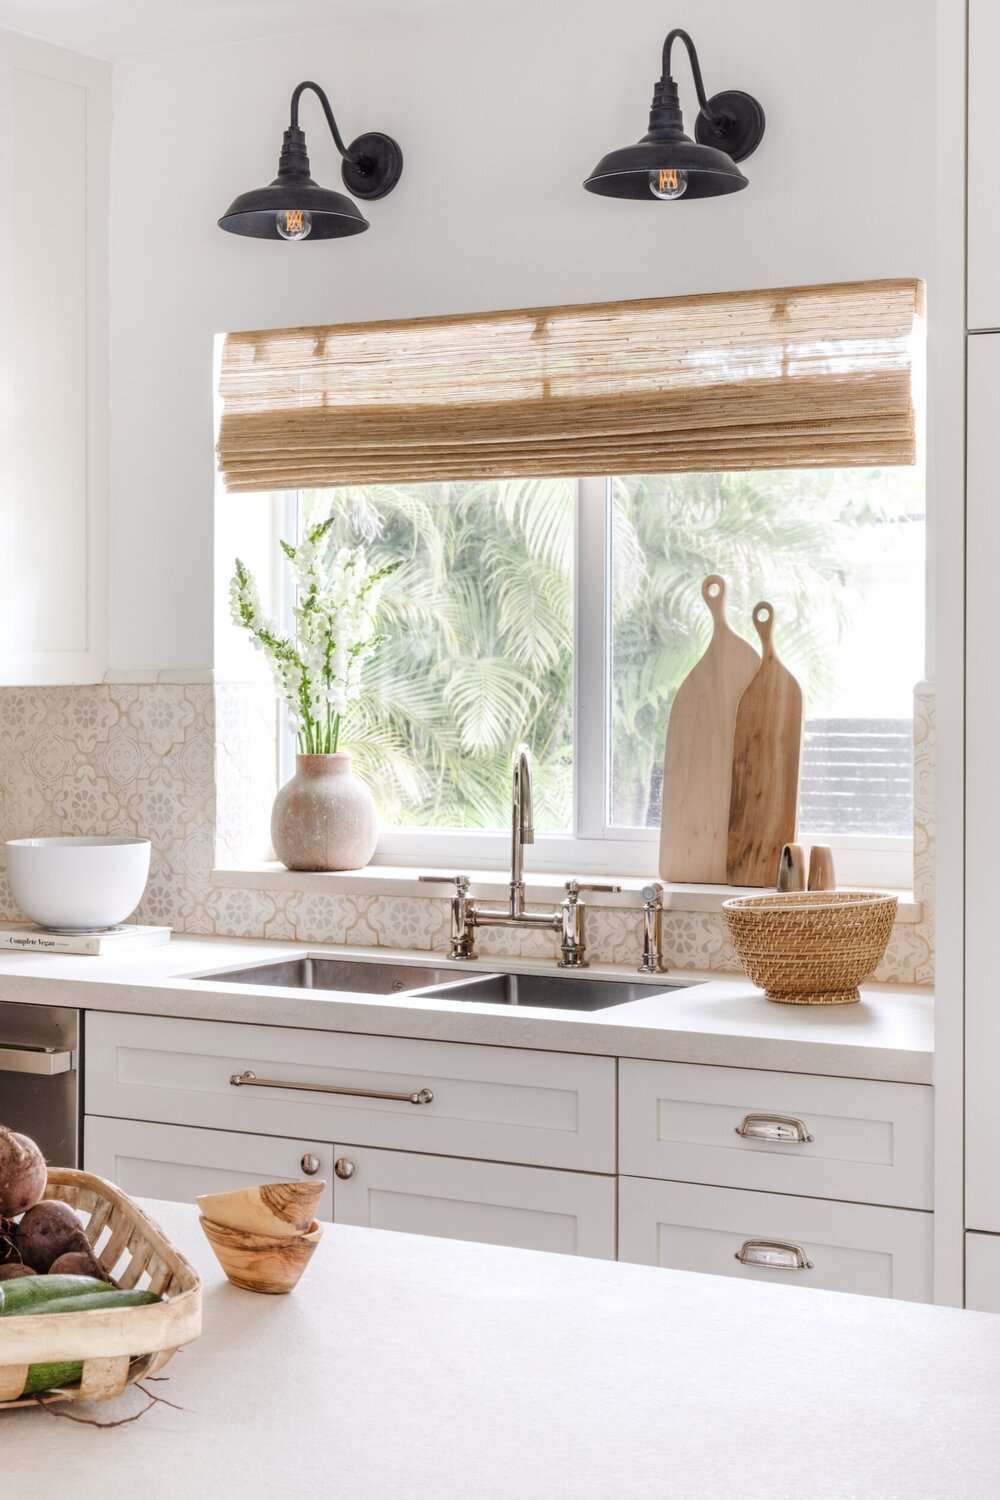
324,818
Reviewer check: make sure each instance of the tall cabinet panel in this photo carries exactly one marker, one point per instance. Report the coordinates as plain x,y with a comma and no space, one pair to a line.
984,151
55,153
983,785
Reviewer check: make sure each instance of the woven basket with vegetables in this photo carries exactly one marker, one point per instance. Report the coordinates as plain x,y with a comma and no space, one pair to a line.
93,1297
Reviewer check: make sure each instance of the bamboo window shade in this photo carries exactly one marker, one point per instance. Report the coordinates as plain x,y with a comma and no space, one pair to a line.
791,378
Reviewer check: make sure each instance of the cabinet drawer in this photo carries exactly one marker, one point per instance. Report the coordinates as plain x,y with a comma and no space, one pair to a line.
982,1272
177,1162
870,1142
848,1247
530,1208
542,1108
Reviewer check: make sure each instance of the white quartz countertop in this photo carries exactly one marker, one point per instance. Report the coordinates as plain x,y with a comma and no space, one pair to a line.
417,1367
725,1021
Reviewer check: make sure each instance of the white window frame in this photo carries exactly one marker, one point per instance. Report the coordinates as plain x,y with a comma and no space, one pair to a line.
597,846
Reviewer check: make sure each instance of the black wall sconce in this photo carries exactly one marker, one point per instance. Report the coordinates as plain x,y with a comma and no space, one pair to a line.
666,164
293,207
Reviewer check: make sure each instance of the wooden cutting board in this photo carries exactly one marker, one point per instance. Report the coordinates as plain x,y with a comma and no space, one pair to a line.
697,765
766,748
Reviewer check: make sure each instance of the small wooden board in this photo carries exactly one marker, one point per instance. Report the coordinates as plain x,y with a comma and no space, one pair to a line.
766,749
697,765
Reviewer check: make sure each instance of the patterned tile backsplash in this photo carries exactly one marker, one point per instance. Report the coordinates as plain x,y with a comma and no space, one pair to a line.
192,767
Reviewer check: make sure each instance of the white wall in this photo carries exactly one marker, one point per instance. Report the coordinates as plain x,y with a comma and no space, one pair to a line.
501,110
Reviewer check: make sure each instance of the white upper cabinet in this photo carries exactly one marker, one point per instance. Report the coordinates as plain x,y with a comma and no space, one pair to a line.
984,150
55,152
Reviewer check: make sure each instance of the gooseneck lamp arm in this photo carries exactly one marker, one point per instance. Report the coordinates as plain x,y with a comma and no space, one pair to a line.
678,35
320,93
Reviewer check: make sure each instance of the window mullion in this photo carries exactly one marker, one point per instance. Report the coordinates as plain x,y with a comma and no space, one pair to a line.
288,517
590,659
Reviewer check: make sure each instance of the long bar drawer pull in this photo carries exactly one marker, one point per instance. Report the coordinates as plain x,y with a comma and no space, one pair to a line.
775,1255
238,1080
43,1061
784,1129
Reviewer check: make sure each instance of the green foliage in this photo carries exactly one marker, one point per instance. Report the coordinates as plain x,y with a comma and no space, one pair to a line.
477,620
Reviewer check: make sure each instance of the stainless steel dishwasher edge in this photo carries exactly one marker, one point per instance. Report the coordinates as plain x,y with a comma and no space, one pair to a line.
40,1078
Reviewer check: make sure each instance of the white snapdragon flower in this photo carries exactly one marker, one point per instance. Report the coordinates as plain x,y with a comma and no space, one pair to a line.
319,674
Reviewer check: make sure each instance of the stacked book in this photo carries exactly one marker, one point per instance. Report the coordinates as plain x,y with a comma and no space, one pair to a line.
123,939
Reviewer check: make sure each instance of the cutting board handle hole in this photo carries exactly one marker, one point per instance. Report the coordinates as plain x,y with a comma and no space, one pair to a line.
713,591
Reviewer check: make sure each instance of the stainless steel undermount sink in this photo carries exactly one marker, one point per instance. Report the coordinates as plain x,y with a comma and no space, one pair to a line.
551,991
314,972
373,977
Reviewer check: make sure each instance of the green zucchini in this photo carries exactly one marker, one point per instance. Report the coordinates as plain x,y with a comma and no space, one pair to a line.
81,1296
88,1301
53,1376
31,1293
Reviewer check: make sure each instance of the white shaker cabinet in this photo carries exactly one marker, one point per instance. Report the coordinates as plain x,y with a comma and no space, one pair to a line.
851,1138
549,1109
984,149
55,115
788,1241
178,1162
982,1038
529,1208
982,1272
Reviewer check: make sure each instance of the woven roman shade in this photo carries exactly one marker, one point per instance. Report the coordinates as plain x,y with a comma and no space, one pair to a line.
798,377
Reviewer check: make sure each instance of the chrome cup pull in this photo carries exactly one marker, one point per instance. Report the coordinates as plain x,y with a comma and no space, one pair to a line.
773,1255
785,1130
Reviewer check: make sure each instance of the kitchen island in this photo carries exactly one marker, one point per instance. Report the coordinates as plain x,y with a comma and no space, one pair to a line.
419,1367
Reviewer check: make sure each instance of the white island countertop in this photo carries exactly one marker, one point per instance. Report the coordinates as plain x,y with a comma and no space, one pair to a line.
715,1019
436,1370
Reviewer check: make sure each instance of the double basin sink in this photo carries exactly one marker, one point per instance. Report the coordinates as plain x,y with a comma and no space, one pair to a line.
375,977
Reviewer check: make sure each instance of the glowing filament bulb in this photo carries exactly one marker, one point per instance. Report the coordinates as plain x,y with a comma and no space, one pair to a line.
293,223
668,183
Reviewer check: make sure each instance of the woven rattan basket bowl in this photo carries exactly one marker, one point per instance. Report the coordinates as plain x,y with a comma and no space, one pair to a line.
811,948
119,1347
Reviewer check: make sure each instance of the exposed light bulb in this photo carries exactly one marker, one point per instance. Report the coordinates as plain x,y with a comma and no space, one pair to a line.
293,223
668,183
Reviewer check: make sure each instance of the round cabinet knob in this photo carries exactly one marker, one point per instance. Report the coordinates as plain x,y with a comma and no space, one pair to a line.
344,1168
310,1164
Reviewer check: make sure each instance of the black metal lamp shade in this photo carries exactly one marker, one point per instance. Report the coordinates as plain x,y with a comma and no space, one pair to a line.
294,207
667,164
290,199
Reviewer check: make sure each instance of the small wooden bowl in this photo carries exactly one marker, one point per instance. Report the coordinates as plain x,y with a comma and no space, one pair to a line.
271,1208
261,1262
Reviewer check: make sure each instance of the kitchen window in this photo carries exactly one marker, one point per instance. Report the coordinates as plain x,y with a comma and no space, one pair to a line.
564,613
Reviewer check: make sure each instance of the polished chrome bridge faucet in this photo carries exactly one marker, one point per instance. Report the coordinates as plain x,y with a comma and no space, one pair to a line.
568,918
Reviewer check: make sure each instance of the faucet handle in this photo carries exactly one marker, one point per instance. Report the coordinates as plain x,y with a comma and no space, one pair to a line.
574,887
652,894
460,882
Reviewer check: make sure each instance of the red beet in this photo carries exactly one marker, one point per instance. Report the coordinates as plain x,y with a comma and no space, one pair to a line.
23,1173
78,1263
48,1231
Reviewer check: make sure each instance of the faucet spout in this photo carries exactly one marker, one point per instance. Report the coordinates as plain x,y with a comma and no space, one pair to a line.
522,827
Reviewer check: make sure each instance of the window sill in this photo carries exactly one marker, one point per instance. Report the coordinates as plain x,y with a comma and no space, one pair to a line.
491,885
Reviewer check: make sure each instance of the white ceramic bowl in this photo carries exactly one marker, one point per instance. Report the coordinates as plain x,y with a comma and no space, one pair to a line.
78,884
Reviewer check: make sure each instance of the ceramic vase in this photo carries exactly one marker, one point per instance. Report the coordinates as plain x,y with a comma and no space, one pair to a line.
324,818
